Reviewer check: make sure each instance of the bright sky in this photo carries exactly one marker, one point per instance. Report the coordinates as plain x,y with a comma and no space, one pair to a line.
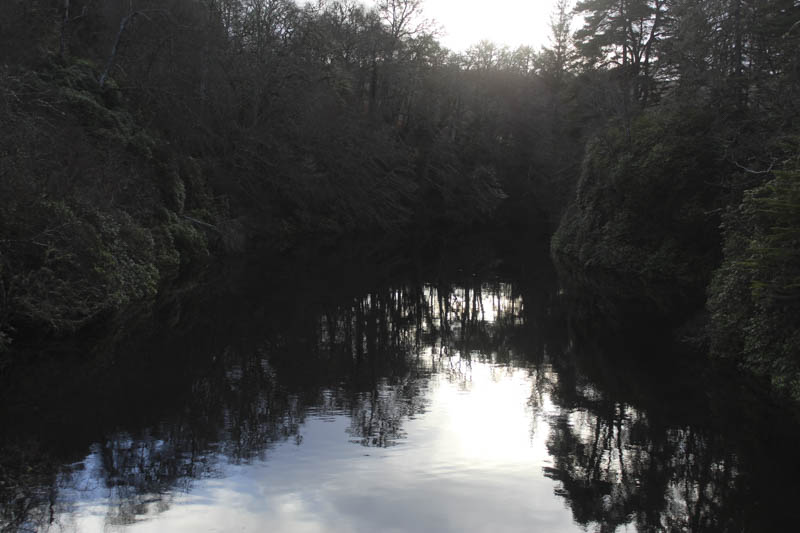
511,22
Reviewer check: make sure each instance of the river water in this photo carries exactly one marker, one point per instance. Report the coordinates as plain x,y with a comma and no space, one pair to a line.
448,399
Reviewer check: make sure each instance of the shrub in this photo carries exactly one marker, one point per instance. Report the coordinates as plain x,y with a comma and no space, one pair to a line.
643,208
755,294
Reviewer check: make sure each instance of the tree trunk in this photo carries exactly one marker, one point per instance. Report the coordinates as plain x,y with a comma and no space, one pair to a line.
62,44
110,63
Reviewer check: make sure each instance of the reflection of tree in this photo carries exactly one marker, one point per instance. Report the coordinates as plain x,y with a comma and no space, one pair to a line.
235,413
28,488
239,391
138,475
673,480
598,470
672,463
628,446
376,418
376,340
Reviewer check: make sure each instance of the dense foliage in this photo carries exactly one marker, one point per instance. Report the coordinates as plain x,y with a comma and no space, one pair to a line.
702,106
93,207
755,295
141,136
644,209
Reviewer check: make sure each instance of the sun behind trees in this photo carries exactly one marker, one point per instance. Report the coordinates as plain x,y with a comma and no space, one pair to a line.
147,135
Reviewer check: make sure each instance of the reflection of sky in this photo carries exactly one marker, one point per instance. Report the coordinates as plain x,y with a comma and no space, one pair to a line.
472,462
494,302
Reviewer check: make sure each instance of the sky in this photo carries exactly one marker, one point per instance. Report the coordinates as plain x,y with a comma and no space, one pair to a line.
510,22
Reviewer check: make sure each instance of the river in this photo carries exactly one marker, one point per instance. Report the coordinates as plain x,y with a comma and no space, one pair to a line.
459,396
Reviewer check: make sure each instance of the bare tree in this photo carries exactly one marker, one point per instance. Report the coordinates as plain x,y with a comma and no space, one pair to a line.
65,22
127,19
403,18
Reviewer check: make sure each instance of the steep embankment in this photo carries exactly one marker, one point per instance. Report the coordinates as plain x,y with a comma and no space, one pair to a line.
665,220
100,207
95,208
644,221
754,297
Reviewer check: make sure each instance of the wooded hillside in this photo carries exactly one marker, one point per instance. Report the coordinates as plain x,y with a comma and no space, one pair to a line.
659,140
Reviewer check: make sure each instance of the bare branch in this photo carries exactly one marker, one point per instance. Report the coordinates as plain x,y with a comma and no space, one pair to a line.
751,171
64,22
201,223
110,63
790,30
122,25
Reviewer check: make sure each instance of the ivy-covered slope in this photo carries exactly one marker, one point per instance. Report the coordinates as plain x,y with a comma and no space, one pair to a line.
94,208
644,213
754,297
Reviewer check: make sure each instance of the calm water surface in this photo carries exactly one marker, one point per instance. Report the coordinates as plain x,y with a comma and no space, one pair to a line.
472,404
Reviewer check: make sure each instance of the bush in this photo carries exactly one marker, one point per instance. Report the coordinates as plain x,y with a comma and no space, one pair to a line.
642,208
88,201
755,294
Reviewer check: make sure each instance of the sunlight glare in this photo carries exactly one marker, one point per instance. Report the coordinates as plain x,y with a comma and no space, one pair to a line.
504,22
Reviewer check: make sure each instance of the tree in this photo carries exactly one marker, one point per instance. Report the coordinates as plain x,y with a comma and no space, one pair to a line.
557,57
755,294
402,18
623,35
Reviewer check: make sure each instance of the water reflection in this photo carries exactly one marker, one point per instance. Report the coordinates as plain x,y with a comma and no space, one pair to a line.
446,406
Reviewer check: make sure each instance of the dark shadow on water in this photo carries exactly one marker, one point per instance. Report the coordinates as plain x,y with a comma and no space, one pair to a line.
641,433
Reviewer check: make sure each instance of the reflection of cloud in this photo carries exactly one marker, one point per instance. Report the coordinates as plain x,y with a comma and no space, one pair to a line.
467,422
454,472
461,458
